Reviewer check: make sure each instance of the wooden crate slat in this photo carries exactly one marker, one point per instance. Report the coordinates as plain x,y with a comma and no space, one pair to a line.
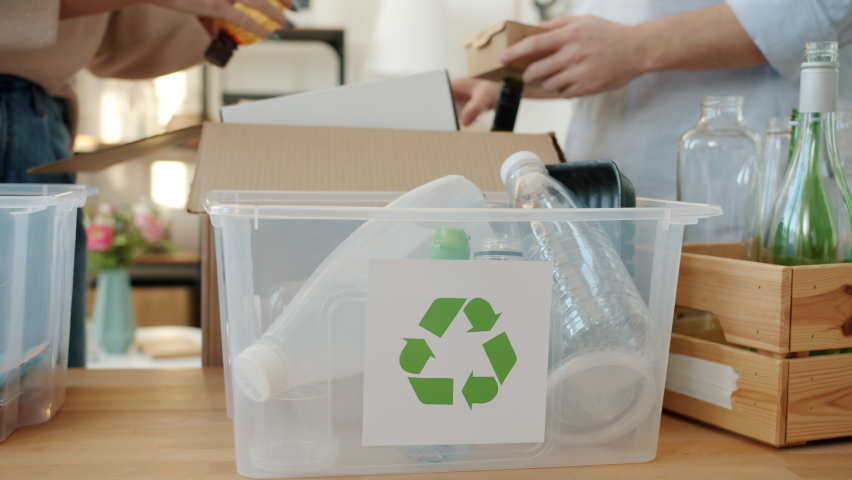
758,409
751,300
821,308
819,398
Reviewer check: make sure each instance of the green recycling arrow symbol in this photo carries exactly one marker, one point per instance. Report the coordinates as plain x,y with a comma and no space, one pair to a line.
437,319
415,355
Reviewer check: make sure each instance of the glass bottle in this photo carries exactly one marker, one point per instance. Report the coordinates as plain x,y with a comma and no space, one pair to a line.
230,36
776,156
844,141
811,221
508,105
718,163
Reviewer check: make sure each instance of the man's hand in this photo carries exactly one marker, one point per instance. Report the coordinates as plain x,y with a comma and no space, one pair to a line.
587,55
580,56
475,95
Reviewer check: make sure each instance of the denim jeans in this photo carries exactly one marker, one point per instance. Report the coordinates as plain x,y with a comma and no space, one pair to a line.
33,131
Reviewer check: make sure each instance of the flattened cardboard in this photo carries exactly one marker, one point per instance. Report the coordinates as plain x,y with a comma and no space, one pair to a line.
101,159
389,103
266,157
483,51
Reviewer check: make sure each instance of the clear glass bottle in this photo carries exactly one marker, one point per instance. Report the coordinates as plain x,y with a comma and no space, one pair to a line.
776,156
811,221
718,163
844,141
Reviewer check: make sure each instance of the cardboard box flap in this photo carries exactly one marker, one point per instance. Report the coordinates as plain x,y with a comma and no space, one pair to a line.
101,159
282,158
482,38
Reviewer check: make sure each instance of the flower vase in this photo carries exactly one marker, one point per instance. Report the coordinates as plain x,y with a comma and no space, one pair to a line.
113,320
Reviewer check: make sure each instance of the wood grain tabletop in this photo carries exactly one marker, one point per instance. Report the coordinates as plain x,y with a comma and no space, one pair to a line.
171,424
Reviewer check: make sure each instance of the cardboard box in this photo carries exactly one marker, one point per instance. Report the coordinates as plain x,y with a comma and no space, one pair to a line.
282,158
483,51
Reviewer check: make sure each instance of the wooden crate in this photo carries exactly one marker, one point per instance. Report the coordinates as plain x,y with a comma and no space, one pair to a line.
784,396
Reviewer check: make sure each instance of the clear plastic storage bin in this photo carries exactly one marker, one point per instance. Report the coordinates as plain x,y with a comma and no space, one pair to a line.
307,417
37,235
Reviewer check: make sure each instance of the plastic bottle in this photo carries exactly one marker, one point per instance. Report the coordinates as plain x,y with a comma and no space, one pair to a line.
286,357
230,36
604,381
504,249
449,243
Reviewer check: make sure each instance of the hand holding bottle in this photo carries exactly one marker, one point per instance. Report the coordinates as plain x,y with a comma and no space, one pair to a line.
229,10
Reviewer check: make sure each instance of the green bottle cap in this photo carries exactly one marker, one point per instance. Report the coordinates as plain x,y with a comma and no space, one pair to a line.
450,243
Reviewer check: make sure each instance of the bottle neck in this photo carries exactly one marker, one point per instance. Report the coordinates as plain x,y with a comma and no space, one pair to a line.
815,143
818,90
722,112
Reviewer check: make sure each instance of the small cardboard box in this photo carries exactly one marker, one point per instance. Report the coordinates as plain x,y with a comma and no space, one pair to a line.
290,158
483,51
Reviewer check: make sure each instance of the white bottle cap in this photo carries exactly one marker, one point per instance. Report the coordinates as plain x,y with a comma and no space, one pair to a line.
515,160
260,373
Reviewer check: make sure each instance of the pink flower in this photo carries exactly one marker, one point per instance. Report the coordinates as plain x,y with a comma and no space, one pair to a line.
149,226
99,237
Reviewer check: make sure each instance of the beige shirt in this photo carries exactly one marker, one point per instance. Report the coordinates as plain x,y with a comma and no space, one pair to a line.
141,41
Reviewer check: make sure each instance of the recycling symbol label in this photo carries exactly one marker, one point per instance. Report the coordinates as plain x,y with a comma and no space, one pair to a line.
436,320
454,352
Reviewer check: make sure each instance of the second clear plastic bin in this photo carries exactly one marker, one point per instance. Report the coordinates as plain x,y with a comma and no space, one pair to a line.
37,239
269,244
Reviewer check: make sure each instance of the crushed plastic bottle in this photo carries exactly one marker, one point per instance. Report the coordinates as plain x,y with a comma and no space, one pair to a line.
603,325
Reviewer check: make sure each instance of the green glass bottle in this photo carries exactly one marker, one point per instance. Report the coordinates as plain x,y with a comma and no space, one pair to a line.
794,124
811,220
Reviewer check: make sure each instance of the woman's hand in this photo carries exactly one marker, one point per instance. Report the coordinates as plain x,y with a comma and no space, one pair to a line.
475,96
225,9
580,56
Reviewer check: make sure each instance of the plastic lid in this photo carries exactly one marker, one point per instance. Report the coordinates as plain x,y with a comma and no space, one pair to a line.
260,373
516,160
450,243
603,395
221,49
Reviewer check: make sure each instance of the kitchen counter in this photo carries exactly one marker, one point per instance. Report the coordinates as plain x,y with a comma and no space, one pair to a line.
171,424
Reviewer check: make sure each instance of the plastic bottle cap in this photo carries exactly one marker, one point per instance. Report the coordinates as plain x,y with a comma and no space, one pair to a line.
450,243
260,374
515,160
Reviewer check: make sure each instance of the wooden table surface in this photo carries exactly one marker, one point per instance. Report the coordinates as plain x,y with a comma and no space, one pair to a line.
171,424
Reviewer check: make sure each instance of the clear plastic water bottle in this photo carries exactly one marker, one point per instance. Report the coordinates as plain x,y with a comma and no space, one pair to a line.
603,326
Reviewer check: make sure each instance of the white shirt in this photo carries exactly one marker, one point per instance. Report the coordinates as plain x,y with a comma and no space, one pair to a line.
639,125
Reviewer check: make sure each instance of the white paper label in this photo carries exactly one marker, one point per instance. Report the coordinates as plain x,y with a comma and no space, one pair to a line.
704,380
456,352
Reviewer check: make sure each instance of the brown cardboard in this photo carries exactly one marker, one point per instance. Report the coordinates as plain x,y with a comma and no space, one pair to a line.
265,157
483,51
268,157
101,159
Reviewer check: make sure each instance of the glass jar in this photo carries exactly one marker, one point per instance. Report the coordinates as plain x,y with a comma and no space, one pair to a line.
719,163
